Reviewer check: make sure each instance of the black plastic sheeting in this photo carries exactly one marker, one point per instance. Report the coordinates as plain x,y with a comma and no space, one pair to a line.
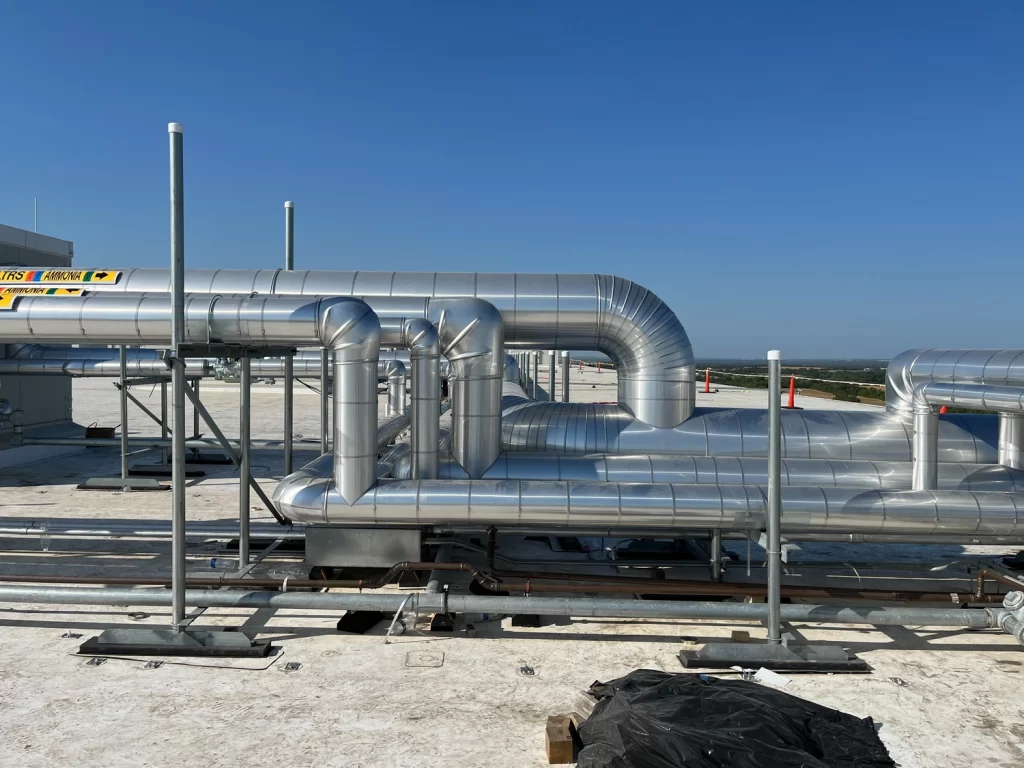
652,719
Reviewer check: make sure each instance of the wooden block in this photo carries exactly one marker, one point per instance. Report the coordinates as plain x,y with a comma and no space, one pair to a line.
740,636
558,741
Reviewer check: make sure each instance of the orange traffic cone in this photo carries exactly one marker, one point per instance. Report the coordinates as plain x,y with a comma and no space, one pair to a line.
792,392
944,409
598,367
707,381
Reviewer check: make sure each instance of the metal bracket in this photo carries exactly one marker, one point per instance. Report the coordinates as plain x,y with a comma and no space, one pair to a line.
167,642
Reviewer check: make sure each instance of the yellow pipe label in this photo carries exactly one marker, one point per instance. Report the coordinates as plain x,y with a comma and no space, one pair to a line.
61,276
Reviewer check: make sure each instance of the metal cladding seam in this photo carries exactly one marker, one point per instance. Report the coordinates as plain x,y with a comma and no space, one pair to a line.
604,313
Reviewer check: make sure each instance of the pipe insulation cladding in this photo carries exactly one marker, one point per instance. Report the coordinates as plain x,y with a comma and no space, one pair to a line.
604,313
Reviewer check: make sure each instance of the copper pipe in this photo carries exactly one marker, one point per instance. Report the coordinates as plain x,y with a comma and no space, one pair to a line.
979,585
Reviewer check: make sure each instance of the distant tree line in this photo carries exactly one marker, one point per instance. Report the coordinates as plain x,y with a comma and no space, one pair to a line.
808,379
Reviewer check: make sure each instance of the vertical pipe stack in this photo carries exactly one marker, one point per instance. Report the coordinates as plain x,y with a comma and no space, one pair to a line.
424,350
535,357
177,376
565,376
925,448
289,392
245,458
774,551
124,413
1011,440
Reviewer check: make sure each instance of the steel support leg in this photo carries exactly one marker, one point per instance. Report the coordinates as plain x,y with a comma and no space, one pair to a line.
245,457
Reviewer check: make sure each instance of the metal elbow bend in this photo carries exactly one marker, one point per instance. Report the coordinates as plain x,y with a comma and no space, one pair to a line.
655,358
472,336
350,328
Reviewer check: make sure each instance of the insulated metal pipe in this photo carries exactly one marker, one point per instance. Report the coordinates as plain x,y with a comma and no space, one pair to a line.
325,399
535,357
289,391
604,313
656,506
245,459
584,428
1011,440
424,347
551,375
396,392
733,470
985,367
177,336
565,376
926,448
123,396
774,549
542,606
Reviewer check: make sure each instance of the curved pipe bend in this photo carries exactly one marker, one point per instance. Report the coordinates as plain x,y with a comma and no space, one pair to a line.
595,312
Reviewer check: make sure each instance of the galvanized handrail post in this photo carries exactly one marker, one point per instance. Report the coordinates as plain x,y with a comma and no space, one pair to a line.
535,358
774,550
245,457
289,392
177,376
124,412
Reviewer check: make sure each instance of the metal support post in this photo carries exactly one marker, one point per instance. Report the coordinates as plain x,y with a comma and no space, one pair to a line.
195,414
177,377
325,399
124,412
551,376
245,457
289,392
774,497
716,554
535,360
565,376
164,455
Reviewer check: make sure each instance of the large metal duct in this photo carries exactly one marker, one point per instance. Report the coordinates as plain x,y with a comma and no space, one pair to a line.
725,470
1007,400
345,325
910,369
662,507
809,434
78,362
636,329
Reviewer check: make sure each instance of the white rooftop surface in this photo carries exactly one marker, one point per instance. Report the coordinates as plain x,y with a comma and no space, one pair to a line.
357,701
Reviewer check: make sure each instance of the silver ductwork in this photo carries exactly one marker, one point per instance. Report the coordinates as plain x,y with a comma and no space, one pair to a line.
85,362
345,325
646,342
661,507
909,370
847,435
725,470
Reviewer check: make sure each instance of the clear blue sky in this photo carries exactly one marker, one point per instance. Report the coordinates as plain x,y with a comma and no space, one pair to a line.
841,179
